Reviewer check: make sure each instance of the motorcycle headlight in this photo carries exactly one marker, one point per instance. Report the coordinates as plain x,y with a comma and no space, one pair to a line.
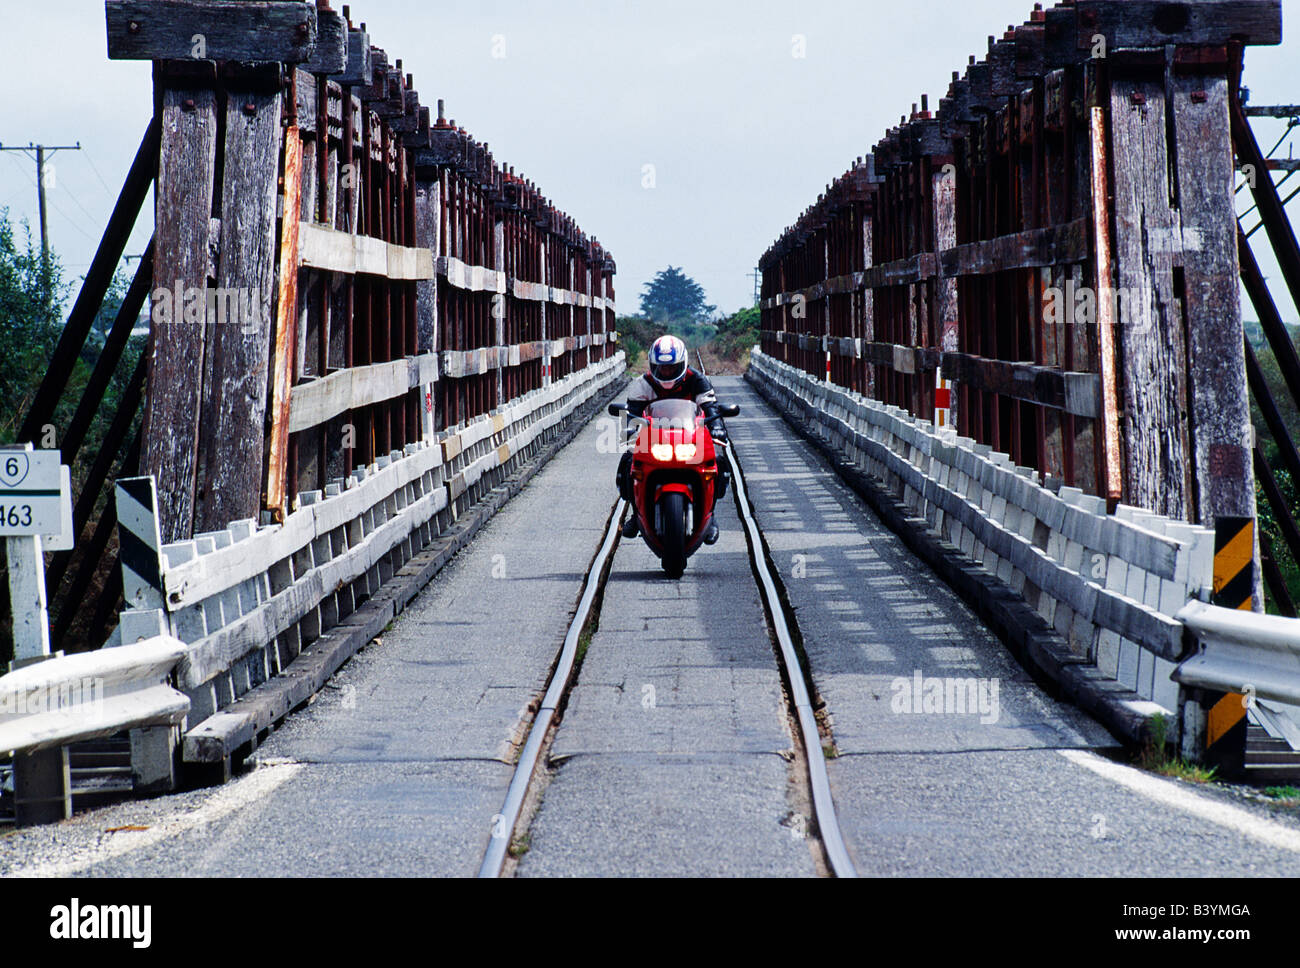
661,452
685,452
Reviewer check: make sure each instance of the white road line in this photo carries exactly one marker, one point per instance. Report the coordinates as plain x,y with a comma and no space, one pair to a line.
1171,794
223,802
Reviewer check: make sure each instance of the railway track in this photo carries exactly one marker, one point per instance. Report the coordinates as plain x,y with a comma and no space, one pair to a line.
510,826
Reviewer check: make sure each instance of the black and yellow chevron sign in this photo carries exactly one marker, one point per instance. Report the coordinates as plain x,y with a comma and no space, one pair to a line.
1234,587
1234,563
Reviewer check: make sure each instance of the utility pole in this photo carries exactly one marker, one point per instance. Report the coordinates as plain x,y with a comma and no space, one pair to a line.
758,282
40,153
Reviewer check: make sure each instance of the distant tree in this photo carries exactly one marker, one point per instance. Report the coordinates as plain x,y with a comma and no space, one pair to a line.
32,294
1268,525
1289,410
738,333
674,297
635,335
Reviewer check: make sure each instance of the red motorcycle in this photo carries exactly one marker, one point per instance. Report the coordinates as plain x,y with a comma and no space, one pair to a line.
674,472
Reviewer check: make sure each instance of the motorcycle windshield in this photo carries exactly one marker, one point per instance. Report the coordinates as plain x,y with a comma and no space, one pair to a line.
673,414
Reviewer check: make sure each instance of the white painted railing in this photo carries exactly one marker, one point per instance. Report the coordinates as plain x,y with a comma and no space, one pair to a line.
247,600
1112,586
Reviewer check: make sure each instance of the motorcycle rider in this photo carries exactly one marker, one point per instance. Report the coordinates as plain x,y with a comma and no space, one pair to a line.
671,379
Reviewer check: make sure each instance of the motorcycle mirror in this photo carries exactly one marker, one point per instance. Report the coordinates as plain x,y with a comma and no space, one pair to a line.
616,408
730,410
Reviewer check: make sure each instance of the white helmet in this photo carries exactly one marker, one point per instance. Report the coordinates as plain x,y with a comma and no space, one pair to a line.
668,361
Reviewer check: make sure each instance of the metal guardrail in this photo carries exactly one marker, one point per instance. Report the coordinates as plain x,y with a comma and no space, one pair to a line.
93,694
1242,652
46,706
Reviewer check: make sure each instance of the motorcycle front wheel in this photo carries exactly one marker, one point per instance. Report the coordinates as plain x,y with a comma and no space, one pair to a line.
673,510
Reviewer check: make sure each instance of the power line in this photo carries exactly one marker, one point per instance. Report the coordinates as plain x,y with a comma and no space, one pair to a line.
76,201
55,205
95,169
39,153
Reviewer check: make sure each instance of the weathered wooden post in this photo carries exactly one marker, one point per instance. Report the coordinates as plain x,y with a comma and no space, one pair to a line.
547,317
499,304
428,222
182,208
1186,427
943,193
203,426
867,296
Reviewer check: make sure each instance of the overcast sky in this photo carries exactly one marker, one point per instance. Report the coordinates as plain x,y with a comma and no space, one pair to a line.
742,134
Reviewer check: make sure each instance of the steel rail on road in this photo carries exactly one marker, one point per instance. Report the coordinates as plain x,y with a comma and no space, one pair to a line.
495,857
828,822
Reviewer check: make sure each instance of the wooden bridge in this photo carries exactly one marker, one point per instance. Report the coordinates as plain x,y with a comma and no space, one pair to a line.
998,435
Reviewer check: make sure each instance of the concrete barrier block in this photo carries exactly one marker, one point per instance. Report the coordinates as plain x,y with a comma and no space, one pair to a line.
1108,653
1063,620
1151,596
1116,574
1017,581
997,509
1173,596
1146,674
1073,558
1057,547
1047,607
1129,655
1136,586
1164,689
1082,636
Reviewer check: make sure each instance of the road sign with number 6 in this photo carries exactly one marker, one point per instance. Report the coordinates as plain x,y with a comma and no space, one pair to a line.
31,493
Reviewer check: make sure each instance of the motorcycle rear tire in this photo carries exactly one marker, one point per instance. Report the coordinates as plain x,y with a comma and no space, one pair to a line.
672,516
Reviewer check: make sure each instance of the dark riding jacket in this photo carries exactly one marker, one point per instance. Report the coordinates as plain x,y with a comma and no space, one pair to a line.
694,386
